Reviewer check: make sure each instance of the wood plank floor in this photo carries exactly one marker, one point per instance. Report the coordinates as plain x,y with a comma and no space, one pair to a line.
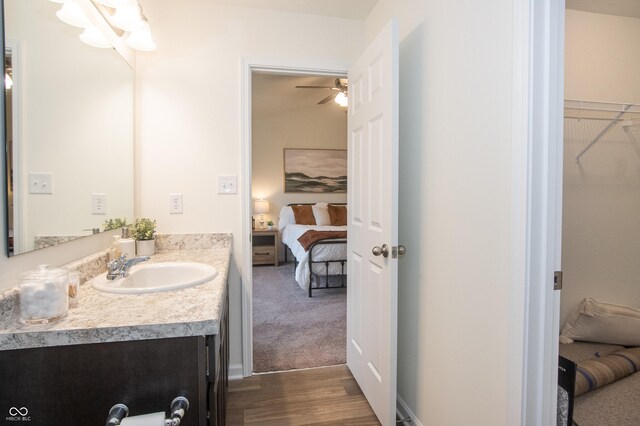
320,396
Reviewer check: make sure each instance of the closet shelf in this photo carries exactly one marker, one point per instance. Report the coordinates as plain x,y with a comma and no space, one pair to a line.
614,112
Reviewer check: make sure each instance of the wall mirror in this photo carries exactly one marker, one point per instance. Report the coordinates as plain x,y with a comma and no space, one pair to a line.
69,130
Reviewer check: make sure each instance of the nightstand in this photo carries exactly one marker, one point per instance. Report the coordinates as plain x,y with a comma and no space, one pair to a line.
265,247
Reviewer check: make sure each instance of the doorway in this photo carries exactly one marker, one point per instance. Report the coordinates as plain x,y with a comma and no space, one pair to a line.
249,67
299,146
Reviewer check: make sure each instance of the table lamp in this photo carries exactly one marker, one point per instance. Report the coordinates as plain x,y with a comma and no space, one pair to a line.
261,207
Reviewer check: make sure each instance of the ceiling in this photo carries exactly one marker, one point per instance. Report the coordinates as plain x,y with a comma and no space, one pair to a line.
273,93
630,8
355,9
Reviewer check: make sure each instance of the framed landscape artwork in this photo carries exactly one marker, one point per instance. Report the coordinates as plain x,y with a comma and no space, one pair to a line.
315,170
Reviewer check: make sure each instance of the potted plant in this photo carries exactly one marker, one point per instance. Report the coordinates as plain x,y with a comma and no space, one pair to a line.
144,233
270,225
116,223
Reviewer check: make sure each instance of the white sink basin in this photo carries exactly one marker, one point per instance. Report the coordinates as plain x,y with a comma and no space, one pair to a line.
157,277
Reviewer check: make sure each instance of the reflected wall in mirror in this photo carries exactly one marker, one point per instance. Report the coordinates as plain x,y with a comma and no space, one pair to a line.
69,129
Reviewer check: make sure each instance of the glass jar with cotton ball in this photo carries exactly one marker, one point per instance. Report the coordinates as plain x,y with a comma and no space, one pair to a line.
44,294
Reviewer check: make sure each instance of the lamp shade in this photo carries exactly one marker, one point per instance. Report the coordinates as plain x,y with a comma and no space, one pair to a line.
140,38
261,206
93,37
73,15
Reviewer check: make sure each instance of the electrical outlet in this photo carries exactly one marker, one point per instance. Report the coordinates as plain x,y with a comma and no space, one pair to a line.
40,183
98,203
227,184
175,203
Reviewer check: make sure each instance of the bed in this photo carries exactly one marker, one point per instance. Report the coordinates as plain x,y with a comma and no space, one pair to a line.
599,366
317,239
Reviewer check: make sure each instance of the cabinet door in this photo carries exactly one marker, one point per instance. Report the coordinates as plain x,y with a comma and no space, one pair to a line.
77,385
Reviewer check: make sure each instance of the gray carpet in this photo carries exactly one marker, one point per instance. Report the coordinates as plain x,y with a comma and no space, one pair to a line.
291,330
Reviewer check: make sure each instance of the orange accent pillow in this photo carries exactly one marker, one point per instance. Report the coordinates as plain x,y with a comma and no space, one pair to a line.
338,215
304,215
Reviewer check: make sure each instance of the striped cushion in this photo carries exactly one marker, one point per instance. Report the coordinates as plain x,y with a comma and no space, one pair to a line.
594,373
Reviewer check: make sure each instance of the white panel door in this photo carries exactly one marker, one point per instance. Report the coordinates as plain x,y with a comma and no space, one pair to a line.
373,222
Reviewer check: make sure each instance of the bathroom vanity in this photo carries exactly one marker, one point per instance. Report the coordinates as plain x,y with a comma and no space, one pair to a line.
141,350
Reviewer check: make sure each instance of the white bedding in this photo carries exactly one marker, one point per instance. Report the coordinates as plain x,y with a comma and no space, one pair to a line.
290,235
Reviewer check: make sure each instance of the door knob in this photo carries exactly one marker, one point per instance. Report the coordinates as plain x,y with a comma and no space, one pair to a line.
384,250
402,250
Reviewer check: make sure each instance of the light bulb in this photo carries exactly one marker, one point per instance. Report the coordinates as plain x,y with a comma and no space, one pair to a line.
8,82
341,99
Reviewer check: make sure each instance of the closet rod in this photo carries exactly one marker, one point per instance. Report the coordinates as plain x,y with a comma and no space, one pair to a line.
603,132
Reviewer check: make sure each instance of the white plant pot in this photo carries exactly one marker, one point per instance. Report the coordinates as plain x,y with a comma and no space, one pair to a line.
145,247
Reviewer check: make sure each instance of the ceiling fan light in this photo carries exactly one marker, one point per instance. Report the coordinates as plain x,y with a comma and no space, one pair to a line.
140,39
94,37
341,99
73,15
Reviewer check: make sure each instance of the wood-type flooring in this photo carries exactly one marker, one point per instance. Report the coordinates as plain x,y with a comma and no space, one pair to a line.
320,396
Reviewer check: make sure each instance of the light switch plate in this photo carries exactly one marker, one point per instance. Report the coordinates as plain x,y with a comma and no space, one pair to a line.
40,183
227,184
175,203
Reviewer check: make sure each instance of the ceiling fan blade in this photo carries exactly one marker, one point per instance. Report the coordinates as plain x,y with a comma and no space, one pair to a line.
328,98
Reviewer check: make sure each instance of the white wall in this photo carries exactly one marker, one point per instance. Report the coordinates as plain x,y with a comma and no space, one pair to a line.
312,127
601,194
188,108
455,136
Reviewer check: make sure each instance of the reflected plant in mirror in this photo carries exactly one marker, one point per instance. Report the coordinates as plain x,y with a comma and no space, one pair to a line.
69,130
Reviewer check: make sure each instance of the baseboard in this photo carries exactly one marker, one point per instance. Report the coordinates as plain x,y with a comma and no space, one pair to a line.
403,411
235,372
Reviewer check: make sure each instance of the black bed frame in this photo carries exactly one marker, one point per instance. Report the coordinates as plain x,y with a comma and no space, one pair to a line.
326,263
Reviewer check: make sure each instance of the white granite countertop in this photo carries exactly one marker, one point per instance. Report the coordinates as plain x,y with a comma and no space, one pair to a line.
105,317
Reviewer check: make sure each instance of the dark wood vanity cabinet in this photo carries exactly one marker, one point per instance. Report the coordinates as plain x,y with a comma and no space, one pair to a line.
78,384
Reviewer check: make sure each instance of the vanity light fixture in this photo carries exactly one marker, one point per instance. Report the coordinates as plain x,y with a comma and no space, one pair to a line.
341,99
73,15
124,16
140,38
127,16
111,3
94,37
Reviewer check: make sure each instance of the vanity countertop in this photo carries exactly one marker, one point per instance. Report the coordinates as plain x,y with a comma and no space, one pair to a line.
105,317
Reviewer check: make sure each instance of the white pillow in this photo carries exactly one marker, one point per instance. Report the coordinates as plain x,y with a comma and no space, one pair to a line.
321,213
286,217
595,321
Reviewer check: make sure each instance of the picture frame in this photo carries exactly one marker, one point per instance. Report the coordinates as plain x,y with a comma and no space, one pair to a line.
315,170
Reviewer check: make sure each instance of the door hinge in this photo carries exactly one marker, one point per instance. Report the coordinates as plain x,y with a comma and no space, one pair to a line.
557,280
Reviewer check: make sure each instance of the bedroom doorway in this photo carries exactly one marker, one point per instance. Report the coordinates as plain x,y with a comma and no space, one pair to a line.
298,156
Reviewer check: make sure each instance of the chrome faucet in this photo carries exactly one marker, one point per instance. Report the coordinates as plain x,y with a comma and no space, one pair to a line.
119,268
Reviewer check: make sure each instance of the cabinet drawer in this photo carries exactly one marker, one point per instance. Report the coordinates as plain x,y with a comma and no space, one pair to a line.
264,254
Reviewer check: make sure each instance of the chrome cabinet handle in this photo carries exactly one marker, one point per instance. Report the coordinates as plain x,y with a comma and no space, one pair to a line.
384,250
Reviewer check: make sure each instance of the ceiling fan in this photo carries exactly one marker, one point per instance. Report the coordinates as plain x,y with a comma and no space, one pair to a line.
340,91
